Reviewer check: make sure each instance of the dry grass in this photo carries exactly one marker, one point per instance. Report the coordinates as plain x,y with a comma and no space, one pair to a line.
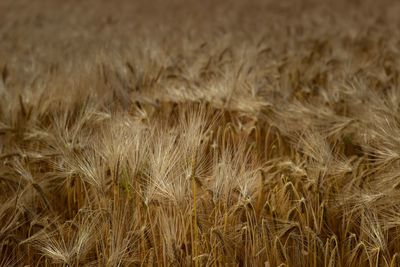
205,133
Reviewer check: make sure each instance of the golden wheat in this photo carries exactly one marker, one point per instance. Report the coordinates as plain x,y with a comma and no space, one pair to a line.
199,133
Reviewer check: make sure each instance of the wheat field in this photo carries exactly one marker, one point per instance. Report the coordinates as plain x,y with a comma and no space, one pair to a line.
199,133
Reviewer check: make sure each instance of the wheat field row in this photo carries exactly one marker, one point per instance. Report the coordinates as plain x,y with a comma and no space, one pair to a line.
199,133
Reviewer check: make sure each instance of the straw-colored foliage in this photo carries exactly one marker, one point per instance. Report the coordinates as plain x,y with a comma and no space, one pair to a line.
199,133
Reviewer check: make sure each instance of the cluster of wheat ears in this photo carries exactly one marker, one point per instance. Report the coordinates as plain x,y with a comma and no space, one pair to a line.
199,133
